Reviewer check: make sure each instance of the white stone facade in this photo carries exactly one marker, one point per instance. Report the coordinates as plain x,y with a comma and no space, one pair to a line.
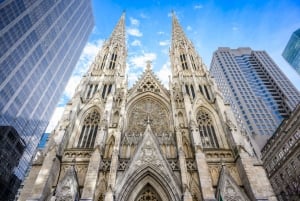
147,142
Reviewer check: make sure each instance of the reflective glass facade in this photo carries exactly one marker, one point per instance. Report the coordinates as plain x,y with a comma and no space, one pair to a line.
40,43
260,95
291,52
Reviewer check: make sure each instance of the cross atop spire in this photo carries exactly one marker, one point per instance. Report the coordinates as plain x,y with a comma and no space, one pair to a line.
148,66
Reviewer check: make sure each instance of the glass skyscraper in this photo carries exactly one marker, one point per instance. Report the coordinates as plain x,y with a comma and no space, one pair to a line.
291,52
40,44
260,95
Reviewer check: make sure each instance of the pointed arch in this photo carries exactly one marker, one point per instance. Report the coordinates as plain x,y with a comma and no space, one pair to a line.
148,193
207,129
104,58
113,58
181,119
88,129
183,59
187,148
115,119
143,178
109,147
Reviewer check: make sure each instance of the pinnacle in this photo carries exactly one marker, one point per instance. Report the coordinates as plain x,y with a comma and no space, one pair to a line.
119,31
177,31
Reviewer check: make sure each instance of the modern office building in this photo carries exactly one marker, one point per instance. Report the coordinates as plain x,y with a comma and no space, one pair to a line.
40,44
291,52
260,94
11,149
281,158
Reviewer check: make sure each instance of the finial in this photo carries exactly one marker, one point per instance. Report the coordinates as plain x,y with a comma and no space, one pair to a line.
148,121
148,66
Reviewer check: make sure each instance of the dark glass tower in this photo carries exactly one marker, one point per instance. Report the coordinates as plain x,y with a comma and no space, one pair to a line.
291,52
260,95
40,44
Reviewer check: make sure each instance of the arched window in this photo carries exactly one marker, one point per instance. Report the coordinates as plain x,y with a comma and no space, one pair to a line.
106,92
207,130
183,60
113,59
91,90
103,61
89,130
193,63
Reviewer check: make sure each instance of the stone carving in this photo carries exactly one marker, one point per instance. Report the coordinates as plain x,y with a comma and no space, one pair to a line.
191,165
228,189
148,108
148,194
149,156
231,194
67,188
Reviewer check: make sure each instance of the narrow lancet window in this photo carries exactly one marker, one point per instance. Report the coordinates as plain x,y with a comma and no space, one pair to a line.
89,130
193,92
207,130
103,61
183,62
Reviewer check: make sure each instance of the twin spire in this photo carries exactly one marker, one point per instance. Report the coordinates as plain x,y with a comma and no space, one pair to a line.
119,30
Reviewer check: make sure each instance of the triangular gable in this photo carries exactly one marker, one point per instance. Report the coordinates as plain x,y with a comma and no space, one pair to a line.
68,188
148,82
148,158
228,188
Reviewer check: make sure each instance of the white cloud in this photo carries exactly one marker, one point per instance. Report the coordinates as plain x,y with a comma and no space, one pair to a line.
143,15
164,73
235,28
189,28
134,21
132,77
169,14
136,43
71,85
134,32
54,119
160,33
164,43
88,54
140,61
199,6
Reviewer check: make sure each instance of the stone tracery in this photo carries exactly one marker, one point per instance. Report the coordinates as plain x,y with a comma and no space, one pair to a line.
152,110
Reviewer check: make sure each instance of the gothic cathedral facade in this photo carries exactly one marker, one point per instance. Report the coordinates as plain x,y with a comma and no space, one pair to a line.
147,142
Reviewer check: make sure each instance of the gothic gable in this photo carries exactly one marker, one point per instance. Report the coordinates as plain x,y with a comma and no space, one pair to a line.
67,188
148,83
228,189
148,166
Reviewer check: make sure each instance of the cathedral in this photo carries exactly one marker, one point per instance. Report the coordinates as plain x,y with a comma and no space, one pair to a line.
147,142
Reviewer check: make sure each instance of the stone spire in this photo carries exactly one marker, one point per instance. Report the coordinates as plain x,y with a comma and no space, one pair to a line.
177,31
184,57
118,33
112,55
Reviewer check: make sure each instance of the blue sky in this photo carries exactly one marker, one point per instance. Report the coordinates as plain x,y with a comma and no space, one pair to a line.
261,25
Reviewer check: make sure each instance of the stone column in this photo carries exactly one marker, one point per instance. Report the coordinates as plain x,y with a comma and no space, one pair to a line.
50,168
204,176
46,176
91,177
254,178
113,169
